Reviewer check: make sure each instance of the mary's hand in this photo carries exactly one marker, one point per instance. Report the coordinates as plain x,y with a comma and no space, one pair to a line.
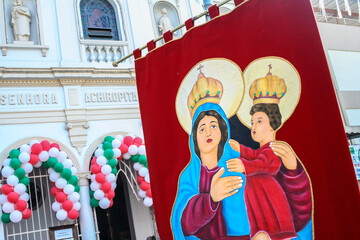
224,187
286,153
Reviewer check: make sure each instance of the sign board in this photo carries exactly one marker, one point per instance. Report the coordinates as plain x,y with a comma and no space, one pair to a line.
67,232
355,155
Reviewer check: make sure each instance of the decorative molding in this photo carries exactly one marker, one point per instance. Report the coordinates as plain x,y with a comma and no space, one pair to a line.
77,125
6,47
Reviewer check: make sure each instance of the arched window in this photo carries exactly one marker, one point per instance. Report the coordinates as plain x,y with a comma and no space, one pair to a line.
99,20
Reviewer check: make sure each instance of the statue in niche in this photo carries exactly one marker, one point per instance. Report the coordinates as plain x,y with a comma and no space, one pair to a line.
164,22
20,21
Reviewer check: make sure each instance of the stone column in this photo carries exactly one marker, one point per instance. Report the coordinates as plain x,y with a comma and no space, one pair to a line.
86,216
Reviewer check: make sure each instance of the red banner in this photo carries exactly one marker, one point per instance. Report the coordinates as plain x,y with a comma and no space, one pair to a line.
294,177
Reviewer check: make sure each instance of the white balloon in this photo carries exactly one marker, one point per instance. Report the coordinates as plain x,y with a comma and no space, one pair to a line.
74,197
6,162
127,156
104,203
3,199
111,178
116,143
100,146
137,166
148,202
99,152
77,206
133,149
28,167
143,171
94,186
99,194
15,216
60,183
7,171
32,142
24,157
142,150
142,193
74,170
147,178
56,206
117,152
106,169
92,178
44,156
8,207
101,160
50,170
62,156
54,152
20,188
67,163
113,185
25,196
61,215
119,137
25,148
54,176
38,164
12,180
69,189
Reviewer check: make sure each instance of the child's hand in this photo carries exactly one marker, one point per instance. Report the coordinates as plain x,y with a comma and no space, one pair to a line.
235,165
234,144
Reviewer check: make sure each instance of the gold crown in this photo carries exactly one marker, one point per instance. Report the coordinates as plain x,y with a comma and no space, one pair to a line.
269,89
204,90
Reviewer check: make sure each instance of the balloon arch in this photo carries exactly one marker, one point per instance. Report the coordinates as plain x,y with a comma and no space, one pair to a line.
118,151
62,173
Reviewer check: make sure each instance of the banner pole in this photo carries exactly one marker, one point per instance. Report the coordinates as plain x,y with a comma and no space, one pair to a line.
116,63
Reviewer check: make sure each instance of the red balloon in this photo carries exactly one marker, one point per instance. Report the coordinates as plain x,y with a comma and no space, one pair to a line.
53,184
34,159
95,168
36,148
73,214
60,197
110,194
111,203
45,145
138,141
128,140
106,187
21,205
100,177
119,158
123,148
148,193
6,189
55,145
140,179
26,213
54,190
13,197
93,161
67,205
144,186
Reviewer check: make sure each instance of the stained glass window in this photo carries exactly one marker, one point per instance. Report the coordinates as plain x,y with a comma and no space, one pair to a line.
98,20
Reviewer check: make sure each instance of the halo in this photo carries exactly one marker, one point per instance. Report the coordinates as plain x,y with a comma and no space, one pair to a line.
280,67
224,70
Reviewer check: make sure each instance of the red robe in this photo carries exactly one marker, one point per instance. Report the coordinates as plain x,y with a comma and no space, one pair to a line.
267,206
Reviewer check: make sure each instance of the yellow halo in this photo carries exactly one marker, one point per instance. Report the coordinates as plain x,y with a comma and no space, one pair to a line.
280,67
224,70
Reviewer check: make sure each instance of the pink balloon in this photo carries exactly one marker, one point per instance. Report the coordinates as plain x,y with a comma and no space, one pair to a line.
60,197
144,186
36,148
26,213
6,189
100,177
45,145
13,197
73,214
106,187
21,205
95,168
123,148
67,205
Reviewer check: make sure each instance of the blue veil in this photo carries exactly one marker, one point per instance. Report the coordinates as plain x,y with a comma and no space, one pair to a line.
233,208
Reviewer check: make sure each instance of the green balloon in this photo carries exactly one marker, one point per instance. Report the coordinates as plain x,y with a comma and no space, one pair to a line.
5,218
142,159
14,153
20,173
65,173
73,180
51,162
91,193
15,163
58,167
108,153
134,158
25,180
107,145
77,188
112,162
108,139
114,171
45,165
94,203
